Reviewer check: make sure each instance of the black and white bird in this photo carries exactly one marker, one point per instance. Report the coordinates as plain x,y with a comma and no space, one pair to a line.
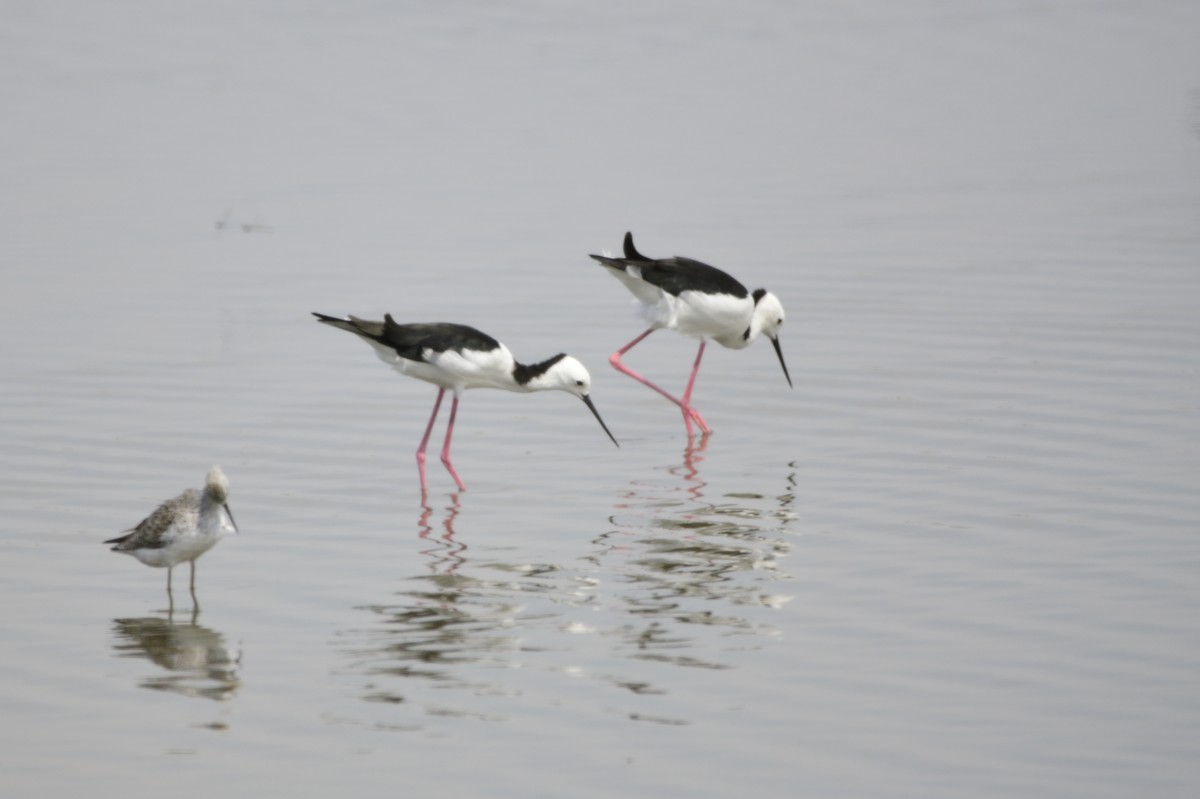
182,529
697,300
457,357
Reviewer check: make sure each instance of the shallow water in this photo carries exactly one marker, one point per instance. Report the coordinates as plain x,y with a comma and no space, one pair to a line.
957,559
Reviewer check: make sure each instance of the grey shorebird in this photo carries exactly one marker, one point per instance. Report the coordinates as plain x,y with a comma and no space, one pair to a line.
183,528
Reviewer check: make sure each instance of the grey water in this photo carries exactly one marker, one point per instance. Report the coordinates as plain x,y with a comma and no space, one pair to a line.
958,558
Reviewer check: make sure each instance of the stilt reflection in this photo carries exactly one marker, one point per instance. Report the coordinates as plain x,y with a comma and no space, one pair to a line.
681,580
681,559
689,470
446,555
441,625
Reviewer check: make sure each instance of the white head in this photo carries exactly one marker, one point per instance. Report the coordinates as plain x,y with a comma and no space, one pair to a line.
560,373
767,319
564,373
216,490
216,485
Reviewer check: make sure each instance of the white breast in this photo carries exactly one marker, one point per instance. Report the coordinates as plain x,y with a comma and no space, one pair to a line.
722,317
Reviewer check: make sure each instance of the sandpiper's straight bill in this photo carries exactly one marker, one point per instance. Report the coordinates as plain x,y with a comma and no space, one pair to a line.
697,300
182,529
458,357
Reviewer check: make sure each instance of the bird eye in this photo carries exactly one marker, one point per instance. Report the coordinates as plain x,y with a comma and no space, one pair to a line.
579,383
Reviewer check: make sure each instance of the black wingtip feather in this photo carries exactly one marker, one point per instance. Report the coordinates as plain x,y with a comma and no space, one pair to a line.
631,252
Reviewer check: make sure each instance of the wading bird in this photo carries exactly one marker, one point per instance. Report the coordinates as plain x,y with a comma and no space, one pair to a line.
457,357
697,300
182,529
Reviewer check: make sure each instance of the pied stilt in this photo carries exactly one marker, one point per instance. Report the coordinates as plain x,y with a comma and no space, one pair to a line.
458,357
697,300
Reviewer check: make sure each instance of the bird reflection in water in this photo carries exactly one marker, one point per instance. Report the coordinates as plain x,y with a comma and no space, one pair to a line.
197,659
682,559
689,470
446,628
446,555
690,483
680,580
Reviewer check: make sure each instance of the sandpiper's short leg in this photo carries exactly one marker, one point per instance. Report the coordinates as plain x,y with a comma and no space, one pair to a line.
195,601
446,446
425,440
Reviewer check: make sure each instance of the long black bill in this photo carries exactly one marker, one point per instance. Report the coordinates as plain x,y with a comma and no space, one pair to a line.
588,402
779,352
229,513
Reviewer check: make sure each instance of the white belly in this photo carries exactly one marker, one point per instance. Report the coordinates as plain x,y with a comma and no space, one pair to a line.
182,548
717,316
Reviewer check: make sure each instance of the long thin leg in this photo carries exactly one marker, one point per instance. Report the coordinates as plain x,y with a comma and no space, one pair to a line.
688,412
425,440
170,596
446,446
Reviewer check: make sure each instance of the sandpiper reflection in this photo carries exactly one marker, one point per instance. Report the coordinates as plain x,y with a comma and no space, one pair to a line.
197,659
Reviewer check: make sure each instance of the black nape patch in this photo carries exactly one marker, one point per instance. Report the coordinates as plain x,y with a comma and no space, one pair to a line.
524,372
758,295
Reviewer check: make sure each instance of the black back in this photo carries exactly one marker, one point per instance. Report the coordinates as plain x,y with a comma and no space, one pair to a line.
411,340
680,274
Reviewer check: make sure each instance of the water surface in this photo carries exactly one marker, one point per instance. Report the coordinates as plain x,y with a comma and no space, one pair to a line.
957,559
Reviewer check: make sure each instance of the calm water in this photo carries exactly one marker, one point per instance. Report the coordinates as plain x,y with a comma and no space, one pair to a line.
959,558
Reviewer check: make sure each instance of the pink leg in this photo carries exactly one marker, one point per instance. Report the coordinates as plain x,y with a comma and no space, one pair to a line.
446,446
689,413
425,441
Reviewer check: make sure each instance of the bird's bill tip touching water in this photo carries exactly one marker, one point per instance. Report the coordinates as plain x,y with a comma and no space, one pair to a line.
779,352
588,402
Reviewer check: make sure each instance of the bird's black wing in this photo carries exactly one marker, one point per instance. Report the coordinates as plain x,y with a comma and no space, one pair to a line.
365,328
411,340
677,275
